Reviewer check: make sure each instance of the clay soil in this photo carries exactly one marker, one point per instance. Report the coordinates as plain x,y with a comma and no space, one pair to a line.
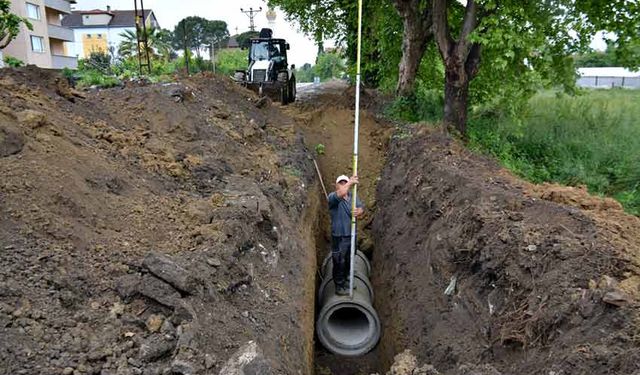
152,229
539,279
175,229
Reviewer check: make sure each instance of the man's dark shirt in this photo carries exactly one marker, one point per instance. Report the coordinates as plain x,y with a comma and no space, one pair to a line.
340,211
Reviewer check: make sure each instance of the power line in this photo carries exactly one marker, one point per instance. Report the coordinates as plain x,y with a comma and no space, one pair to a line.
251,14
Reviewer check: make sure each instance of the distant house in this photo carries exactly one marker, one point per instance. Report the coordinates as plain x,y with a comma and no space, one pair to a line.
48,44
608,77
99,30
232,42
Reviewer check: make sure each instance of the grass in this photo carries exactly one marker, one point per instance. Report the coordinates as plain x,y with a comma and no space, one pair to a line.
591,139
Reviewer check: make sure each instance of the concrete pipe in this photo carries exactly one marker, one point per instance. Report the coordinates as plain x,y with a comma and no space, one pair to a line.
348,325
362,264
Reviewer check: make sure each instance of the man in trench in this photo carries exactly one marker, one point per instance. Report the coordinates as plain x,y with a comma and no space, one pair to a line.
340,211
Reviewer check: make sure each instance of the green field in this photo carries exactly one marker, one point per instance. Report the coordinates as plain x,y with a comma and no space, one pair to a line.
591,139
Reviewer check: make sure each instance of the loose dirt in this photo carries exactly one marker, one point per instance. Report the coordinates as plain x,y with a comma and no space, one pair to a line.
153,229
542,279
176,229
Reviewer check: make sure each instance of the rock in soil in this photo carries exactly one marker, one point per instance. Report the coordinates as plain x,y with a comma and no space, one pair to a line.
165,268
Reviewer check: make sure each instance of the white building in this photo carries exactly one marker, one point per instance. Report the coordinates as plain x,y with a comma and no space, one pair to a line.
99,30
608,77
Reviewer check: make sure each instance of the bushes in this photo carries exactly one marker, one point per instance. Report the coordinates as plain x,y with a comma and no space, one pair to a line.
13,62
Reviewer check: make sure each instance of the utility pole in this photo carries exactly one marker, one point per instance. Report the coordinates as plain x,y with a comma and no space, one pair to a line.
142,36
251,14
212,54
186,49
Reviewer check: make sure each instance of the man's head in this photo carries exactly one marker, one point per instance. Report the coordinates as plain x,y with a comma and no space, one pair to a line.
342,179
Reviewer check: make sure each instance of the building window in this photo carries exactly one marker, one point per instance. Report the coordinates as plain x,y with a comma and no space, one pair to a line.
33,11
37,43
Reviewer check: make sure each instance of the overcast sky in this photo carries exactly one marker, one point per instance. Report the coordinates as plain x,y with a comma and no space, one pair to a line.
170,12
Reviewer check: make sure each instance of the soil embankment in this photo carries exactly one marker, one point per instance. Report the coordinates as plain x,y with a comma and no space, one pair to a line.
174,229
152,229
539,279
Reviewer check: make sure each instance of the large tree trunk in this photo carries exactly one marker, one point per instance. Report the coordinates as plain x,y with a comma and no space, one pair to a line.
456,94
416,34
461,61
414,43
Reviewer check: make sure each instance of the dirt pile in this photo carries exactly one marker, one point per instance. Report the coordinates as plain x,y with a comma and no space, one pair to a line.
474,269
154,229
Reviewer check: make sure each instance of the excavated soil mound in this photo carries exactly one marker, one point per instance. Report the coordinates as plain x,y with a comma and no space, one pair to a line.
156,229
477,272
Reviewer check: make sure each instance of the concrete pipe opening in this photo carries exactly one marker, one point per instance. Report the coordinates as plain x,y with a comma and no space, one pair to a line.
348,327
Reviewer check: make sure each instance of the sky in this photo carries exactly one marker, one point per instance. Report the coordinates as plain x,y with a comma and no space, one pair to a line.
170,12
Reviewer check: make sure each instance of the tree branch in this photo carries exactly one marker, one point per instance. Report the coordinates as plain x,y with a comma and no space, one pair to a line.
441,28
469,24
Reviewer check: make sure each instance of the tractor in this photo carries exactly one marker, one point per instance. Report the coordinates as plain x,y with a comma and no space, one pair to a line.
268,73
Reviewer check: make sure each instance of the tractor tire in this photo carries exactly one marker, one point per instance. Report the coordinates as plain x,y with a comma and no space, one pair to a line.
239,76
292,89
282,76
284,95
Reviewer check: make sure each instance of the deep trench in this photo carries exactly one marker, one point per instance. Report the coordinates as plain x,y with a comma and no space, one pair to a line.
325,362
324,126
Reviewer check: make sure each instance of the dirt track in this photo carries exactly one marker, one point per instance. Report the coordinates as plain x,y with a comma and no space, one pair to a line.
162,228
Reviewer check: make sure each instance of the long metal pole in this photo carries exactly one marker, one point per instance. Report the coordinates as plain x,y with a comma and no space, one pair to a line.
354,196
145,37
135,7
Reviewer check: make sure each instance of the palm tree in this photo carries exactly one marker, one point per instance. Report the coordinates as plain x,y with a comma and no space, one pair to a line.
158,44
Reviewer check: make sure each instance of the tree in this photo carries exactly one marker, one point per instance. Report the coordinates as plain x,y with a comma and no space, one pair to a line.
519,39
489,51
198,33
158,44
329,65
244,39
417,32
10,24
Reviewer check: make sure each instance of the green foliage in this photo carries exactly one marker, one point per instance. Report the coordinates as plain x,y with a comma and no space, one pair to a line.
198,33
100,61
304,73
96,78
424,105
230,60
320,149
591,139
10,24
244,39
158,43
594,58
329,65
13,62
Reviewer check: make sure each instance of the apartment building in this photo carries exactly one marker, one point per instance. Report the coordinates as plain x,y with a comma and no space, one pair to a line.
100,30
47,45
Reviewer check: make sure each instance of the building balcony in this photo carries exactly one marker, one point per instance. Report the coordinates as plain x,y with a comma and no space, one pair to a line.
62,6
59,32
61,62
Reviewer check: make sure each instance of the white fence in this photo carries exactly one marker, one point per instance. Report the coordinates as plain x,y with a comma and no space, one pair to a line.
609,77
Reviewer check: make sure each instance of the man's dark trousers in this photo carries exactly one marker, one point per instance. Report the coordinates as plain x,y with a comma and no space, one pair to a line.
341,255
